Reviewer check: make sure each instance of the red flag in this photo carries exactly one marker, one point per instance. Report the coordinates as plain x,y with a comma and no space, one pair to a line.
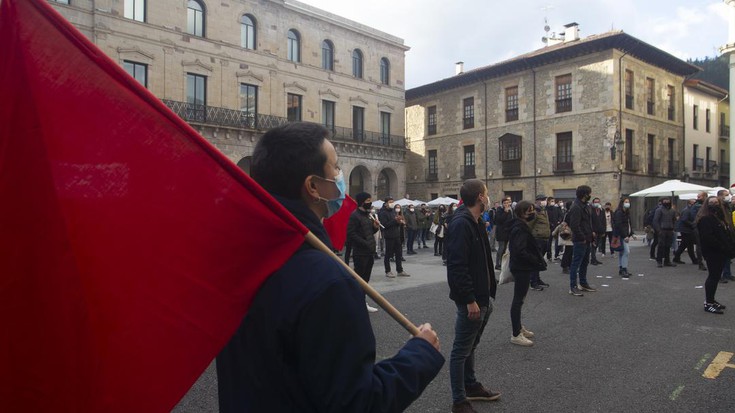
130,248
336,225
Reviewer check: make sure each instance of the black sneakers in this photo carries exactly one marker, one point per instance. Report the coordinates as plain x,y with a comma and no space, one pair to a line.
587,287
575,292
542,283
712,308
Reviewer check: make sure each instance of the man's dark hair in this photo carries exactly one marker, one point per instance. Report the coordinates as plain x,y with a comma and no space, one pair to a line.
522,207
286,155
471,188
583,190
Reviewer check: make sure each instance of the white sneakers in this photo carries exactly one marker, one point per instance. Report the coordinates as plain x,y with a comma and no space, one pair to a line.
371,309
390,274
522,339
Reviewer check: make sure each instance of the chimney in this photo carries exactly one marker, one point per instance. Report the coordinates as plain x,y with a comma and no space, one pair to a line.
459,68
571,32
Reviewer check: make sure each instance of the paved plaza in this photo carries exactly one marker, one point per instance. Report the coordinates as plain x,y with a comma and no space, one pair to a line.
638,345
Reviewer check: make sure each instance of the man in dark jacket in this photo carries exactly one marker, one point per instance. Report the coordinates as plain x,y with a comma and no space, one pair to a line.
471,285
598,229
306,343
685,226
541,231
579,219
392,226
663,223
360,233
503,216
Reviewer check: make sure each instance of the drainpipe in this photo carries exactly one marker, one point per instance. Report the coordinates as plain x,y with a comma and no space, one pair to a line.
535,164
484,84
620,123
684,123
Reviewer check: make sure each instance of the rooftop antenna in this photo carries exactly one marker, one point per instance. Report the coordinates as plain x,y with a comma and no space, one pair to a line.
545,38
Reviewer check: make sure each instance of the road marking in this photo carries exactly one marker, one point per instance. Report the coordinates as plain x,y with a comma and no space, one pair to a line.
719,363
675,394
702,361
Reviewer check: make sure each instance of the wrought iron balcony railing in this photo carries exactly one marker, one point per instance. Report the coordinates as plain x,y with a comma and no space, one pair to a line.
432,175
468,171
654,166
216,116
673,170
724,131
628,101
562,164
650,108
632,162
697,164
512,168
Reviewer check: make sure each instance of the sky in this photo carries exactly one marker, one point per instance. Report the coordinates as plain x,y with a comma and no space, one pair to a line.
483,32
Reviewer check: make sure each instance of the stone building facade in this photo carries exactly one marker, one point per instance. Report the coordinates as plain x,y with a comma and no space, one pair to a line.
235,68
707,134
604,111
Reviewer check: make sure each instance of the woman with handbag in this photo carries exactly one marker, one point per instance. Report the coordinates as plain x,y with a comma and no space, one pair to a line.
718,245
439,219
565,241
525,257
622,232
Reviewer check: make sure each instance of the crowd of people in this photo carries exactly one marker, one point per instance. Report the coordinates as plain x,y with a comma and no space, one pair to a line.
307,344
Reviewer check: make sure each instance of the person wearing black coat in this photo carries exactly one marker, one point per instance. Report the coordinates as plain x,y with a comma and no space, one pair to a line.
306,343
525,258
598,227
622,229
579,218
471,285
392,230
503,215
718,245
555,218
361,229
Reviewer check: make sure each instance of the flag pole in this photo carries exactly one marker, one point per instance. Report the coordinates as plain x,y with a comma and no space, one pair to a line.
370,291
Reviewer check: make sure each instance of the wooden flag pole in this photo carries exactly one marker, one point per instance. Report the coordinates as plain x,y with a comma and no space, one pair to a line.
370,291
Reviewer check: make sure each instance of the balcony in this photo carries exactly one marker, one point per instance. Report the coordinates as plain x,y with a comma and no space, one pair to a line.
697,164
562,164
650,108
432,175
564,105
432,129
511,115
512,168
673,170
670,113
629,101
216,116
632,162
468,171
712,167
654,166
725,131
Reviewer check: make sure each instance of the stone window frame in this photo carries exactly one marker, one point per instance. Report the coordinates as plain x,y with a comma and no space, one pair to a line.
328,55
293,46
468,112
248,32
511,103
431,120
189,22
358,62
563,93
134,10
384,71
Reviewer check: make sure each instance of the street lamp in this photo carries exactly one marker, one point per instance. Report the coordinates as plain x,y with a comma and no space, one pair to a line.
617,145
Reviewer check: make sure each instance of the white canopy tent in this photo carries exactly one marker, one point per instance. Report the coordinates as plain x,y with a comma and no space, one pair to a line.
712,192
442,200
672,187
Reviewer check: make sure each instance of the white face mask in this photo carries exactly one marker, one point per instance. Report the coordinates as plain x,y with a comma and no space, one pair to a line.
728,199
543,204
626,205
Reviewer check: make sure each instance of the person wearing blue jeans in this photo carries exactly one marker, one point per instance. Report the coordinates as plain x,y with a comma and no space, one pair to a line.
579,218
471,285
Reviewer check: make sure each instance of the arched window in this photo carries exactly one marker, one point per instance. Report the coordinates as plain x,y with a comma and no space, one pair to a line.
294,46
327,55
384,71
195,18
247,32
357,63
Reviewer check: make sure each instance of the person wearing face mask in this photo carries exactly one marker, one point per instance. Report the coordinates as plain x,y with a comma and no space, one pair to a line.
392,223
685,226
541,231
306,343
608,229
471,286
718,245
439,219
503,215
555,216
623,229
412,227
726,201
450,211
526,258
579,218
361,229
664,221
598,230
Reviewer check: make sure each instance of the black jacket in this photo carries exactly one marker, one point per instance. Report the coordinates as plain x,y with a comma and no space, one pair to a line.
470,269
502,222
555,216
715,238
523,248
664,219
360,230
621,224
307,345
599,222
580,221
391,227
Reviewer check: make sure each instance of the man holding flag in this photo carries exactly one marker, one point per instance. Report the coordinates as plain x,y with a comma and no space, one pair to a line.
306,344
